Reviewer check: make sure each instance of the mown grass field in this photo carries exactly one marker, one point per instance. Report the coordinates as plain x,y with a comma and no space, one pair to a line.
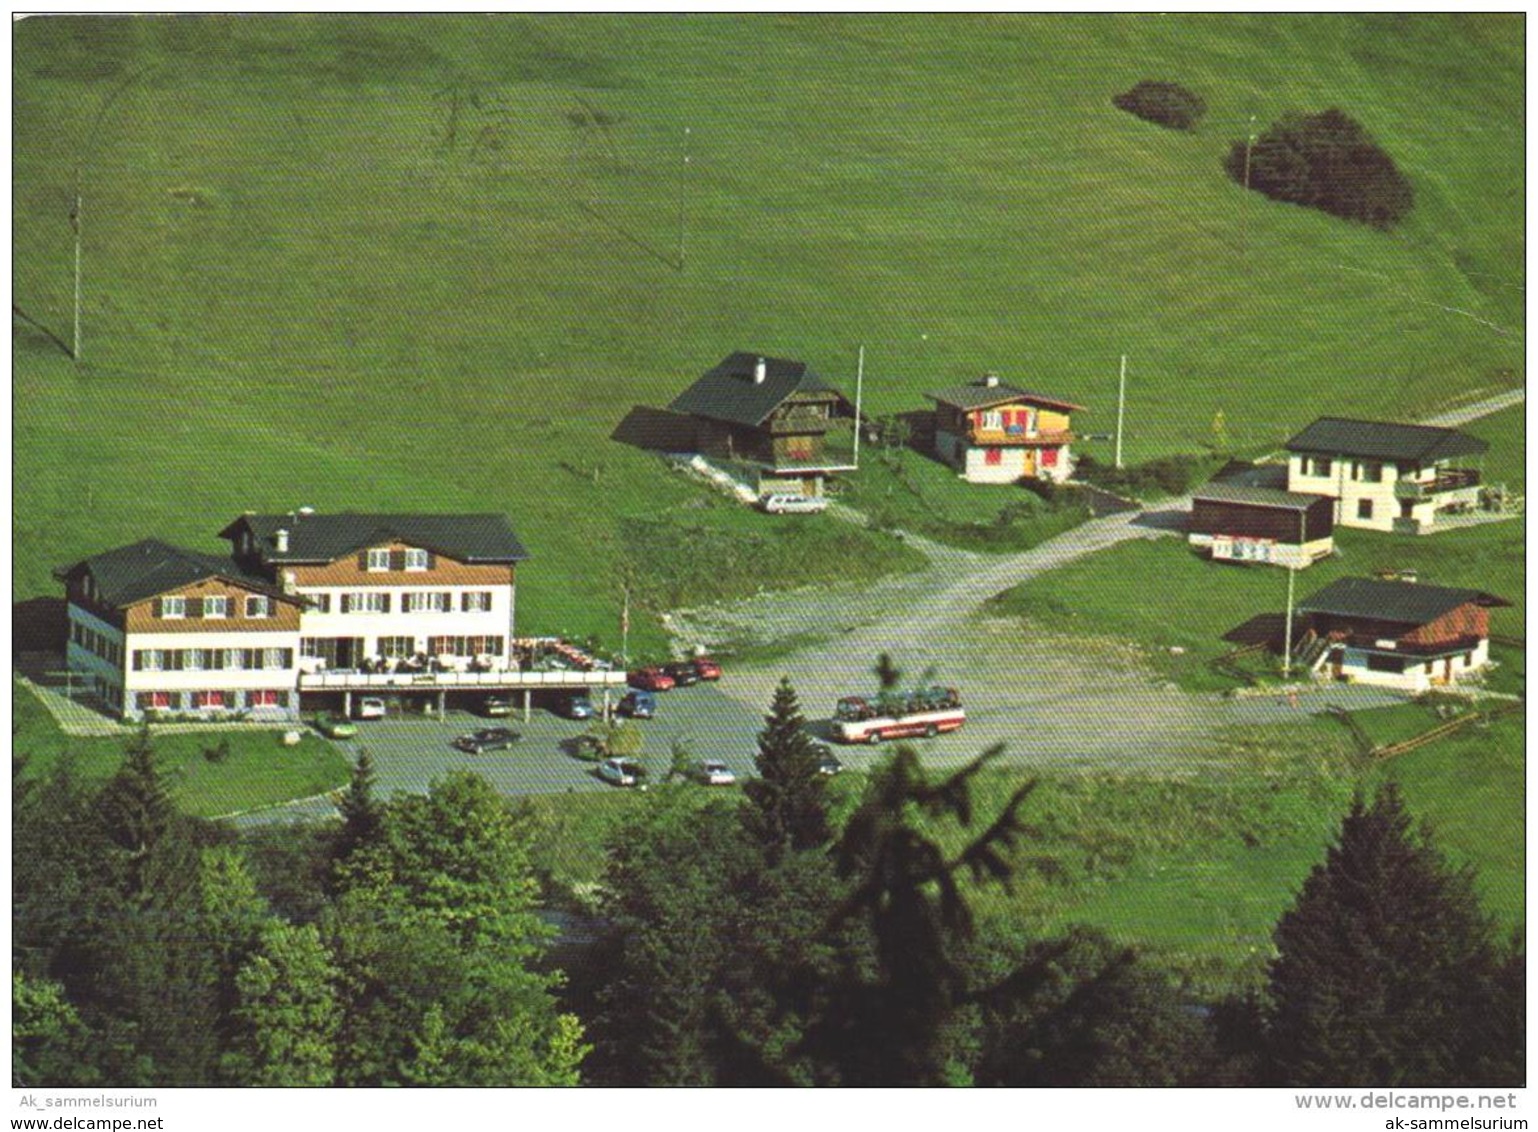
405,262
258,770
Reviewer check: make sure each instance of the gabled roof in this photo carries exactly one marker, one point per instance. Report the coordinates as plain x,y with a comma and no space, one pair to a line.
982,395
1246,474
314,537
151,567
1383,440
729,393
1259,496
1406,603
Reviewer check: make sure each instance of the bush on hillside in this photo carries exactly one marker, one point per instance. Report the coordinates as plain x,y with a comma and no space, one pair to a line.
1169,475
1166,104
1325,161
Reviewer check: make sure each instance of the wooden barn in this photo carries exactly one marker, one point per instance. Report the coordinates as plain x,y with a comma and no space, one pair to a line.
1236,522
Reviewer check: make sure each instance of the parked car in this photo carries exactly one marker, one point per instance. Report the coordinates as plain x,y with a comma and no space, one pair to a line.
574,705
712,772
622,772
335,726
369,707
827,761
793,504
638,704
651,679
495,706
487,739
683,674
706,668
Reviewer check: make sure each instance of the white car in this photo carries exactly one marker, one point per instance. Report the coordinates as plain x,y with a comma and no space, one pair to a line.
369,707
712,772
622,772
793,504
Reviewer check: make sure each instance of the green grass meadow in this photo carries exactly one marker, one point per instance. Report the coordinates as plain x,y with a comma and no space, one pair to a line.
431,262
258,771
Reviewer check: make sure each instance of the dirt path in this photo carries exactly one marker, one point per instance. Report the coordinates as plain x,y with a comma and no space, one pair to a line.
1452,418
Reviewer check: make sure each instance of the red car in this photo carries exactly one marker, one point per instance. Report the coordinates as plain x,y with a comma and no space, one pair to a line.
707,668
652,679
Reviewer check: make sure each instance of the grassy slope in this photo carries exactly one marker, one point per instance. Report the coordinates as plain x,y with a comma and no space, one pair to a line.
258,772
298,290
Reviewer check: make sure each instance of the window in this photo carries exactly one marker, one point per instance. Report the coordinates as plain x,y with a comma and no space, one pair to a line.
416,559
421,601
233,658
373,601
217,605
1468,660
153,701
1364,508
378,560
266,697
477,601
1377,662
1322,466
397,648
173,607
1370,471
277,658
993,456
319,603
195,659
464,646
993,420
258,605
149,660
212,699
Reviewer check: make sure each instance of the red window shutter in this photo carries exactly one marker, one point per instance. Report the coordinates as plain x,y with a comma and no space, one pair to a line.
1049,457
993,456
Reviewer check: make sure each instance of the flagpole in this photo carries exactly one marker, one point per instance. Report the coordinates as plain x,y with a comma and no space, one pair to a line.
859,385
74,218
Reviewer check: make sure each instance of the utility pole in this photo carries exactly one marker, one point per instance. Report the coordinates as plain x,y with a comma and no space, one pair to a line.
1121,405
624,630
1244,208
74,222
683,171
859,383
1292,576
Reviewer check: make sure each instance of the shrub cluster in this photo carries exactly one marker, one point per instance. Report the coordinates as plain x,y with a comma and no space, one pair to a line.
1325,161
1166,104
1172,475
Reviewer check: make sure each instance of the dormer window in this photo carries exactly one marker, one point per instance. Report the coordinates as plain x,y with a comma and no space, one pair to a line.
416,559
171,607
379,560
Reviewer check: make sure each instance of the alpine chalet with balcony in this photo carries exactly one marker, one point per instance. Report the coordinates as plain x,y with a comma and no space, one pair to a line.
991,432
771,417
1385,476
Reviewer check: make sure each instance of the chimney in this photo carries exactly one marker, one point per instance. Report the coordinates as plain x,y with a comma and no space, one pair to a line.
990,380
760,371
280,540
304,512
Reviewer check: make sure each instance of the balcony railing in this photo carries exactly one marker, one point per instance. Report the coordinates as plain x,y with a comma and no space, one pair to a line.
1005,436
336,678
1449,479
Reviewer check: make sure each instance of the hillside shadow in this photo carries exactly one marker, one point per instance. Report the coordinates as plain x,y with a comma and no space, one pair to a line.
38,625
655,430
631,238
28,333
1267,629
1168,519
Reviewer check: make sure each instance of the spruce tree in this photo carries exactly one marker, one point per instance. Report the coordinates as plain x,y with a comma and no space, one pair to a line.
1385,964
789,808
361,817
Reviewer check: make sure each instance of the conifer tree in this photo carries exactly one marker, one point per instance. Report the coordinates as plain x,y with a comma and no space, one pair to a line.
360,812
789,809
1385,964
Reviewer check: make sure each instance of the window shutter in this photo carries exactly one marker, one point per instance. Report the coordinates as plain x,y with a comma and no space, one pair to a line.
432,560
157,608
397,559
363,560
347,603
194,607
138,660
288,658
386,608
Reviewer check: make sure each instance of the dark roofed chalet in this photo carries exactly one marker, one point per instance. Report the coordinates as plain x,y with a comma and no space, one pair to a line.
1421,445
309,537
772,414
1398,603
149,568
